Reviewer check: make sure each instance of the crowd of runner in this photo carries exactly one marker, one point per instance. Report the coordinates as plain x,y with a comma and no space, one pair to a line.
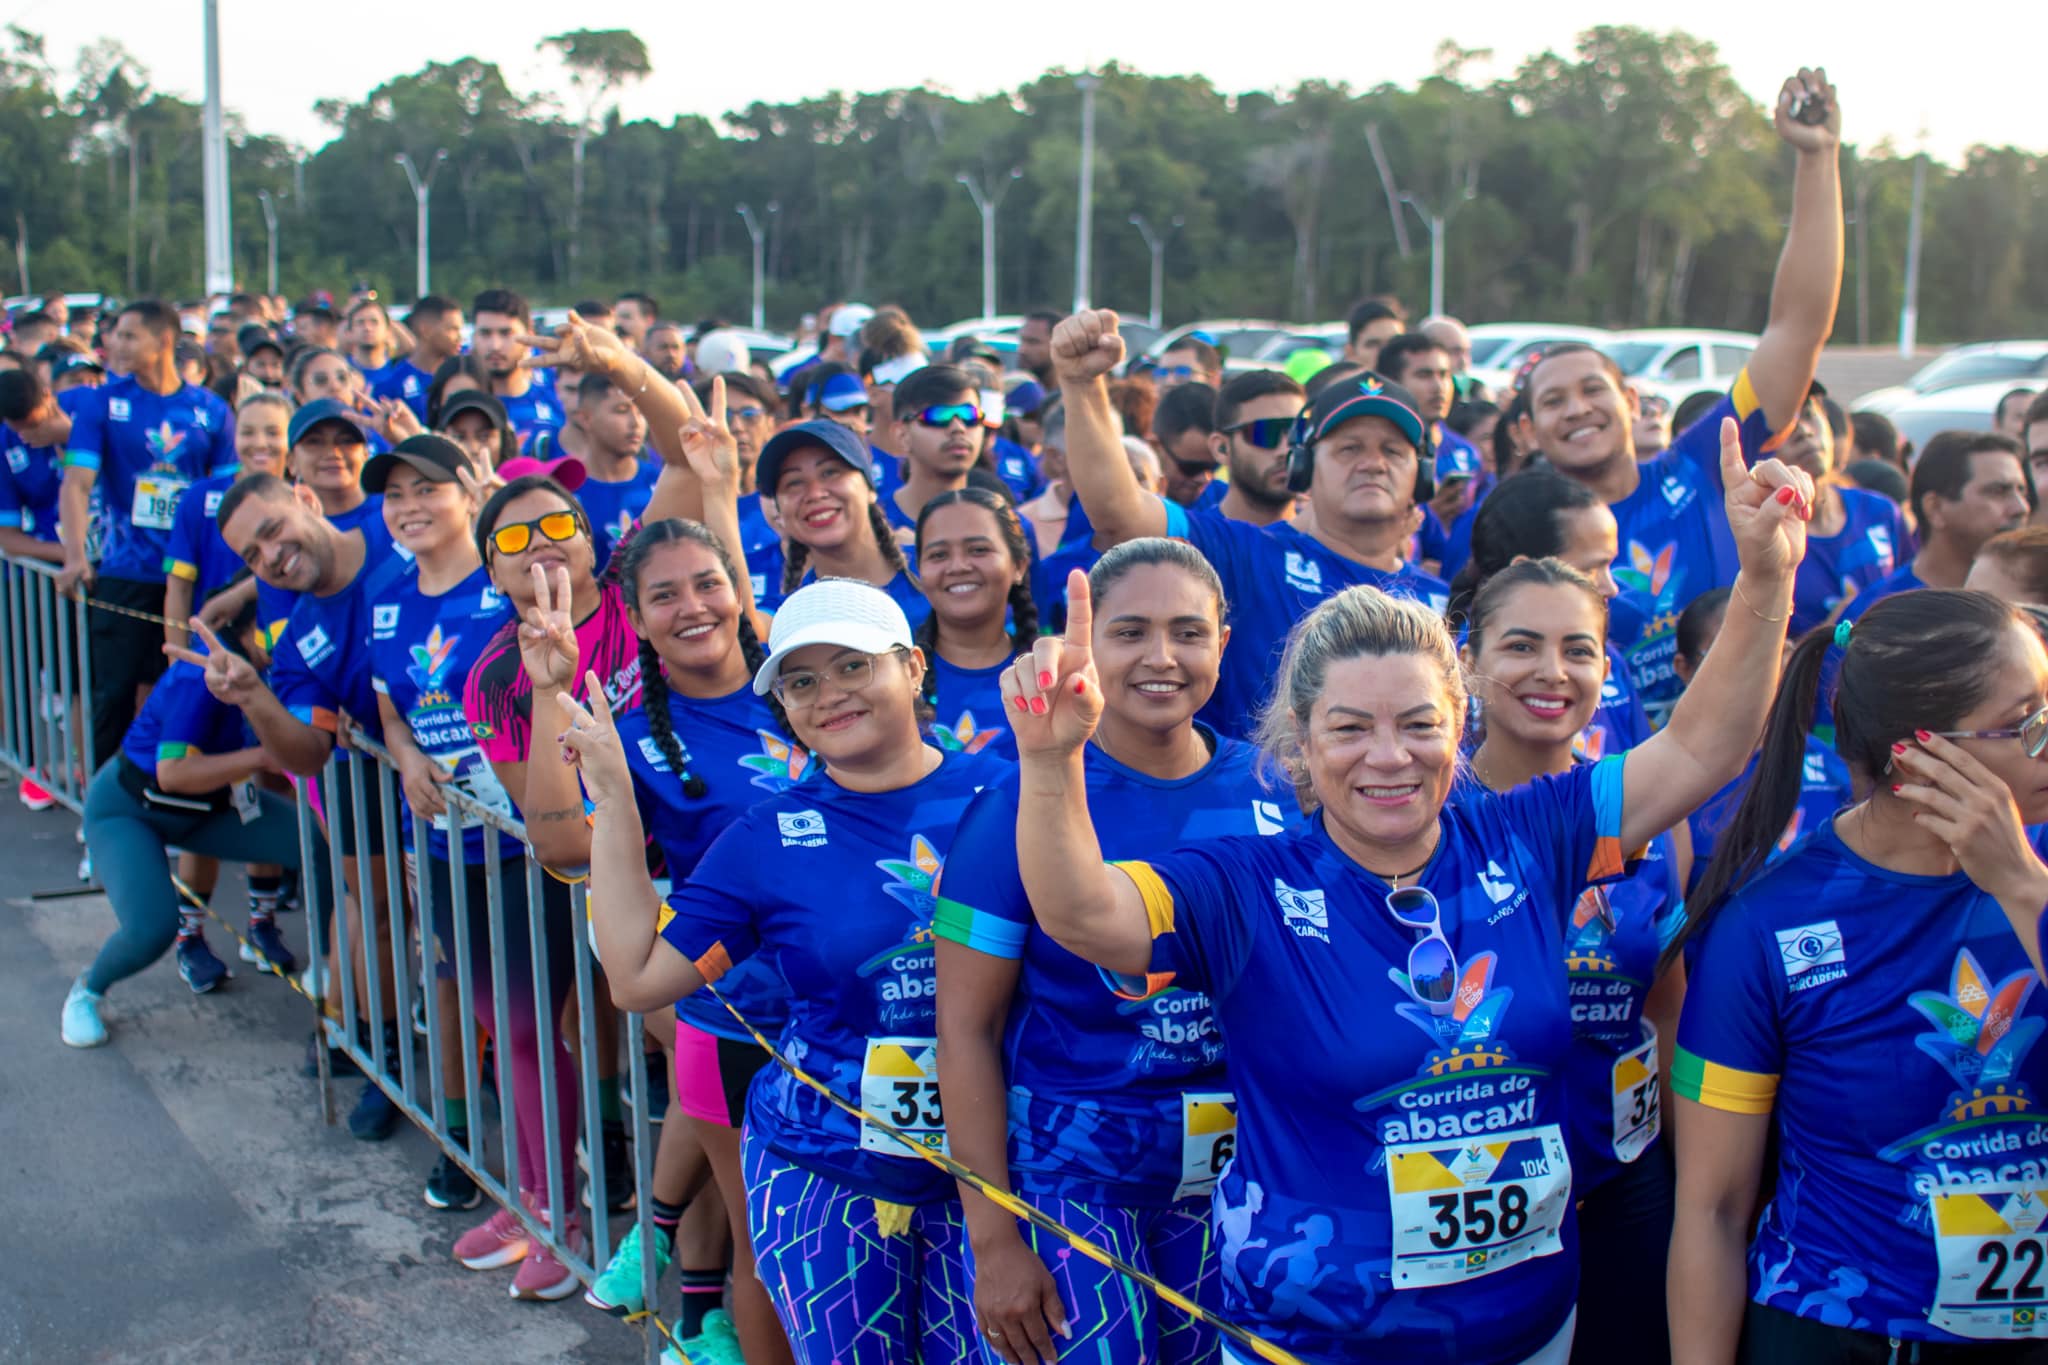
1426,873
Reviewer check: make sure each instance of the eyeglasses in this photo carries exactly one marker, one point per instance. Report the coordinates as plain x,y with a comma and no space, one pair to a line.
946,415
733,415
1432,966
1264,432
515,538
2032,733
1195,469
799,690
1173,374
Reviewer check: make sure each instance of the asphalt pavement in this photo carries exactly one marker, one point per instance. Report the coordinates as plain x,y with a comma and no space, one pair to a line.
175,1197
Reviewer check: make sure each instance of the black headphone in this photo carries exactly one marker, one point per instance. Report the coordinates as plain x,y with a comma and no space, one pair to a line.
1301,459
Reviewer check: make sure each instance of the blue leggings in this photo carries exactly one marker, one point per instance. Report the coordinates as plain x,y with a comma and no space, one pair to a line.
846,1293
1113,1320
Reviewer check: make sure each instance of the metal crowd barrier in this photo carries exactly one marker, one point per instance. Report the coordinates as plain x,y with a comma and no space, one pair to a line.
45,682
399,931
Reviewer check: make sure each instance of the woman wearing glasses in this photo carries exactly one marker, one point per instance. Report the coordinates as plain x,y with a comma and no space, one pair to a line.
822,480
1873,996
1535,663
858,1238
1117,1119
1386,980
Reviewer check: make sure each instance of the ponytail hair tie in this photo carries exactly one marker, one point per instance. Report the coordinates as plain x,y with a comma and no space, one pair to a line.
1843,628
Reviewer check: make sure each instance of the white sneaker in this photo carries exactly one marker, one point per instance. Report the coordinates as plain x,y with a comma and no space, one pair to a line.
82,1026
313,981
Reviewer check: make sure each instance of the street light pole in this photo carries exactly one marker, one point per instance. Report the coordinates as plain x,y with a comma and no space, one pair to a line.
1909,310
1085,213
1157,241
220,261
422,192
759,233
1437,222
269,204
987,204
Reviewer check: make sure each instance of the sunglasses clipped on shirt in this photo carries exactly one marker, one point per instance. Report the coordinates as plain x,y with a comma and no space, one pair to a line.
1432,966
1267,433
514,538
946,414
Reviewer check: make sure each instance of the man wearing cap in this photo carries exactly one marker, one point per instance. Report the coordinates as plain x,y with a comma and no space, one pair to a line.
141,440
722,352
76,370
1358,455
262,355
1255,415
503,321
841,398
436,324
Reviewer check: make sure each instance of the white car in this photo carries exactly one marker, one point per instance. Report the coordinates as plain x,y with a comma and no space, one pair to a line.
939,338
1237,338
1678,363
1965,407
2015,364
1499,348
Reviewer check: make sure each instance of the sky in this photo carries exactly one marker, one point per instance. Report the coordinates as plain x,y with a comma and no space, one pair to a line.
278,56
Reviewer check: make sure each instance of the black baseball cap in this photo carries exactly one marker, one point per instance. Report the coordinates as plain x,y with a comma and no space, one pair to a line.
436,457
255,337
1369,395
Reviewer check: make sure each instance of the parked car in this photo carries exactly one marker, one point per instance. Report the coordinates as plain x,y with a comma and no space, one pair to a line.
1273,355
1963,407
1236,338
1678,363
2010,363
1499,348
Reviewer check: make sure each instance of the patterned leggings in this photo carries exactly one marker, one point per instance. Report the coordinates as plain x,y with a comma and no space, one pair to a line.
848,1291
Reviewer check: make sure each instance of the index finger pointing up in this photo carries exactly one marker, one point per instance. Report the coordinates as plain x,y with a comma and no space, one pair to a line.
1080,611
1734,469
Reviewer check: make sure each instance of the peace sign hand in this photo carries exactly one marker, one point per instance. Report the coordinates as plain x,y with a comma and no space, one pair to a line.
231,679
1052,695
478,476
547,637
591,742
708,443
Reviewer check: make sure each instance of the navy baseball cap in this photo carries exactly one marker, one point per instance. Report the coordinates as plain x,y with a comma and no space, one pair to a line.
255,337
804,435
72,362
323,410
1369,395
841,393
437,457
1457,460
1027,398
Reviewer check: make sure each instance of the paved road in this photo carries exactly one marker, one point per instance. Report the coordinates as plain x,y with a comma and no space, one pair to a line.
175,1197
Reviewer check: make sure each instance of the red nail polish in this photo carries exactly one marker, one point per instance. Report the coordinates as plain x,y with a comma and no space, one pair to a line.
1045,680
1785,495
1922,736
1038,706
1898,748
1895,789
1023,705
1080,686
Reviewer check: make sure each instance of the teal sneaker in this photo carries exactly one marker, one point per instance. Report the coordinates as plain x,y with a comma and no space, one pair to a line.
82,1026
717,1344
618,1289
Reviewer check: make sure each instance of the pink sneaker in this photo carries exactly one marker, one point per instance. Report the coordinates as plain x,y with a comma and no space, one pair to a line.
499,1240
34,796
542,1276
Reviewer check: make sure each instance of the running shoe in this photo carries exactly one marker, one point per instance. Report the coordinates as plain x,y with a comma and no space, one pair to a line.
82,1026
498,1241
202,971
339,1063
717,1344
266,948
618,1289
375,1117
449,1186
542,1275
34,796
657,1086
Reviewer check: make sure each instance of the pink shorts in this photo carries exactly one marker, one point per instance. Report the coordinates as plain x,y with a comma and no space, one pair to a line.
712,1075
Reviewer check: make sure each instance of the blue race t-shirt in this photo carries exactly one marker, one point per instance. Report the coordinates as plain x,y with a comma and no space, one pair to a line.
1891,1025
1839,566
835,888
902,589
196,550
1049,580
614,507
320,664
1110,1101
1401,1188
535,411
180,718
736,746
1824,788
1018,468
32,476
1902,579
421,649
1272,577
406,382
970,709
1618,723
1675,542
147,449
762,545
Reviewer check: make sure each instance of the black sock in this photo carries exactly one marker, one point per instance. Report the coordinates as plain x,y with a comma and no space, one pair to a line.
703,1290
665,1216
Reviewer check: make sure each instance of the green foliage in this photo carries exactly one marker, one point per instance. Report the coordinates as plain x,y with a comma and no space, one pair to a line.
1626,182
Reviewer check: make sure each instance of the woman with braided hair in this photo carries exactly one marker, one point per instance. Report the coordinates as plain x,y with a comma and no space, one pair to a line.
822,480
975,565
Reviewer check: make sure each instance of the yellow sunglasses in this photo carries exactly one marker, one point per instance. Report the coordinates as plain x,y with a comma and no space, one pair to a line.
515,538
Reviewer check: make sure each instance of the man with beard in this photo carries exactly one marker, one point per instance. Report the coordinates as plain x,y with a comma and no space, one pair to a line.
666,350
502,322
1034,346
1255,413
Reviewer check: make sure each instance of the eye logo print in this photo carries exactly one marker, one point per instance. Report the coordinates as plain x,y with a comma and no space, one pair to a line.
778,766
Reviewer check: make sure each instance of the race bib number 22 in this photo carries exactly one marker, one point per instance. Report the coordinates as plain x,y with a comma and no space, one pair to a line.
1993,1253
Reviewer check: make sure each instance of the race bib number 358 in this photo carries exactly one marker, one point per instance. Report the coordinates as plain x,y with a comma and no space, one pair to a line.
899,1084
1993,1251
1465,1210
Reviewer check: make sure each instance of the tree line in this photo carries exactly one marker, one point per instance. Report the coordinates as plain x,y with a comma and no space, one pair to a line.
1627,182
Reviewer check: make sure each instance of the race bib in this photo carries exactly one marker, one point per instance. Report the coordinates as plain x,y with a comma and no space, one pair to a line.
1208,1139
1464,1210
1638,1096
156,500
475,779
247,805
1993,1254
899,1083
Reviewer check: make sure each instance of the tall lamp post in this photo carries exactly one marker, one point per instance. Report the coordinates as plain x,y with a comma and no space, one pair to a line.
219,236
1084,214
1157,241
759,232
269,204
422,192
987,203
1437,222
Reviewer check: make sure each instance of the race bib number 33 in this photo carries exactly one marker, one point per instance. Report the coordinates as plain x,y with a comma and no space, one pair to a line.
1993,1253
899,1084
1465,1210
